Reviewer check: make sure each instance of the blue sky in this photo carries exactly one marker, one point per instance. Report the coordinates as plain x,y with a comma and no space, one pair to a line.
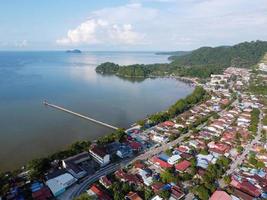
129,24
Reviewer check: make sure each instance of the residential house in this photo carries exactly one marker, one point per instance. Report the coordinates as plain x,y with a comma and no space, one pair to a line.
124,151
161,163
96,192
182,166
146,176
220,195
105,181
176,193
132,196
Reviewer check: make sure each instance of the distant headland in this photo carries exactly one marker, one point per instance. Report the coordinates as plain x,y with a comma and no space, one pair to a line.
74,51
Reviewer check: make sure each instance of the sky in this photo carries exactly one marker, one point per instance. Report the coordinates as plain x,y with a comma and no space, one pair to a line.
129,25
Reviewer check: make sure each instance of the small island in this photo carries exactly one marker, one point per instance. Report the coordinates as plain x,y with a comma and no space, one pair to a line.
74,51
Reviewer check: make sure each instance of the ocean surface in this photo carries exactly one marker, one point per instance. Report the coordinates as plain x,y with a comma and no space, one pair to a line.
30,130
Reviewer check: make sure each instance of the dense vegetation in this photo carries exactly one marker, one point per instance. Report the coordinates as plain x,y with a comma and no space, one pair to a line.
198,63
180,106
207,185
253,127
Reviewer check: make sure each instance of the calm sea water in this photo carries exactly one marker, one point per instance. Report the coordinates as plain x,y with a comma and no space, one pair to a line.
29,130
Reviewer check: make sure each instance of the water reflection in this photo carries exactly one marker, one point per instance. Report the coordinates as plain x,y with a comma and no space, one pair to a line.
29,130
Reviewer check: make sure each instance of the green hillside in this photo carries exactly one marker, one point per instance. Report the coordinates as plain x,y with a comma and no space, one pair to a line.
198,63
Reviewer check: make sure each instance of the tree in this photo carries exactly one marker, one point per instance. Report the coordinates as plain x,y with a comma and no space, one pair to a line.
148,194
165,194
201,192
167,177
80,146
85,197
38,167
227,179
141,123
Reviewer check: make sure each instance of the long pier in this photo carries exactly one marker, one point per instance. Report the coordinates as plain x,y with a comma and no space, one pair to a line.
79,115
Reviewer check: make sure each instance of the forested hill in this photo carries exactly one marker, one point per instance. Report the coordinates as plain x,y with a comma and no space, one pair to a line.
198,63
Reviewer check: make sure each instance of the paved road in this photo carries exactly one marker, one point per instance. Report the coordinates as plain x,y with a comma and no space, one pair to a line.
77,189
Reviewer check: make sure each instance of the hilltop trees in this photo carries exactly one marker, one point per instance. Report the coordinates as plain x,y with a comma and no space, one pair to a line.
200,63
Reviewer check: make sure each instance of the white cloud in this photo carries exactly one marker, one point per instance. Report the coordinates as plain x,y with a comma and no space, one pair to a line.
177,24
110,26
97,31
21,44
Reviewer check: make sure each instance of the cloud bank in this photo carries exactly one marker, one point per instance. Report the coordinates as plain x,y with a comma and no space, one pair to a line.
171,24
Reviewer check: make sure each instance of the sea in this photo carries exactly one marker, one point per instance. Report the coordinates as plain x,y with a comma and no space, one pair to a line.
29,130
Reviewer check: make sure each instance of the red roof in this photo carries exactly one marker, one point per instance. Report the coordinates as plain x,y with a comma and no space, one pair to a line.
183,149
157,186
161,163
123,176
168,123
100,151
133,196
135,145
228,136
139,164
99,193
246,187
177,192
220,148
42,194
105,181
242,195
220,195
182,166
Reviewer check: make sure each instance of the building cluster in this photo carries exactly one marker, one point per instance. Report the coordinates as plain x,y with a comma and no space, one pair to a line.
232,78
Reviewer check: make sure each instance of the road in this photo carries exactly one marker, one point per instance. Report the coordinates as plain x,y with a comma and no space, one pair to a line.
246,150
77,189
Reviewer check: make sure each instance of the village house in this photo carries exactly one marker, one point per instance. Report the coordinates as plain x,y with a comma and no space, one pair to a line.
105,181
182,166
132,196
125,177
96,192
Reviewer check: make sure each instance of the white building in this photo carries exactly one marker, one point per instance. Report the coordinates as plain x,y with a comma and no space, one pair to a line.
160,138
173,159
100,155
148,180
59,184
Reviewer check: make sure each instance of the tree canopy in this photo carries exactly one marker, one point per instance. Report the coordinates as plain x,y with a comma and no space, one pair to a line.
200,63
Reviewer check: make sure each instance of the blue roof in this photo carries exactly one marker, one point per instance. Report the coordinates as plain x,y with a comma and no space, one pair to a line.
163,157
167,187
125,150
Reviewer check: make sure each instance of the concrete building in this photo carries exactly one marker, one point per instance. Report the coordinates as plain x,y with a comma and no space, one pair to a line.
59,184
100,155
72,164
